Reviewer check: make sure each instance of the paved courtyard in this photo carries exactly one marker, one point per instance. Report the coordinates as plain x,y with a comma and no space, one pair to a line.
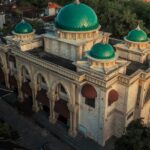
36,130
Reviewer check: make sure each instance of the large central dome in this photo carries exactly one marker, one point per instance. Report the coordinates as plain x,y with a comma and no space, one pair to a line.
77,17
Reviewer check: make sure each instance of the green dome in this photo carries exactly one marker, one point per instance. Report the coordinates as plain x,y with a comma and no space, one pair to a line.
77,17
102,51
23,28
137,35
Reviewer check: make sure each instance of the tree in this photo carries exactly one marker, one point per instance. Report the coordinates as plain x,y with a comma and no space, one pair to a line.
116,16
136,137
5,131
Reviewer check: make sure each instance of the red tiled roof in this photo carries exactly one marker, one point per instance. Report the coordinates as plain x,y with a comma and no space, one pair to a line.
53,5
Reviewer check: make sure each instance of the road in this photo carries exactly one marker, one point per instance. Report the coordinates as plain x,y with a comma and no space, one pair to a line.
35,130
32,136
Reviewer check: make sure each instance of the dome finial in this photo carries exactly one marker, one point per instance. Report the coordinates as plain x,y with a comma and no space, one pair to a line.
23,21
138,27
77,1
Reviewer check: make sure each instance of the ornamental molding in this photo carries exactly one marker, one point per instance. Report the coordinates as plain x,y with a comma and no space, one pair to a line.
93,80
48,65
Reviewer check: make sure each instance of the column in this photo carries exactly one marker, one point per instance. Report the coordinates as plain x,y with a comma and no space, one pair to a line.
19,82
52,117
73,120
35,106
6,73
73,112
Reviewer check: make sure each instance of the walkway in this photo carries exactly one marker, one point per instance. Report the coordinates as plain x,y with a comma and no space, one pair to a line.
37,130
32,136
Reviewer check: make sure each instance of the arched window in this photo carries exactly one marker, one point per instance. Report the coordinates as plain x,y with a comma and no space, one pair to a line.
89,92
112,97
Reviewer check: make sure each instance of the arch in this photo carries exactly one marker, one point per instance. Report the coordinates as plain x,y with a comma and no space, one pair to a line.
23,67
43,76
54,86
42,97
89,92
26,69
113,96
61,96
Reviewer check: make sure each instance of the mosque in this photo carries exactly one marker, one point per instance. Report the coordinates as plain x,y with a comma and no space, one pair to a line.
91,87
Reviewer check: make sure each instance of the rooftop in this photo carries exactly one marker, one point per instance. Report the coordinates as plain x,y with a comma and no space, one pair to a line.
134,66
53,59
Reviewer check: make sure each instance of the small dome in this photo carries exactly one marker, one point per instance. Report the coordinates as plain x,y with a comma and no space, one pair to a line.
23,28
102,51
137,35
77,17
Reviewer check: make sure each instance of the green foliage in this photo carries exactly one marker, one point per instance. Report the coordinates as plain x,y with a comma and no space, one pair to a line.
116,16
5,131
119,16
136,137
35,24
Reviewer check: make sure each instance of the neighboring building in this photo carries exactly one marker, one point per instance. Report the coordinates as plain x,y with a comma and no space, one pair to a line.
52,9
50,12
75,74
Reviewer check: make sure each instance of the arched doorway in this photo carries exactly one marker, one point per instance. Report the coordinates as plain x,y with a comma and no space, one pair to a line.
61,108
26,90
2,76
42,97
12,73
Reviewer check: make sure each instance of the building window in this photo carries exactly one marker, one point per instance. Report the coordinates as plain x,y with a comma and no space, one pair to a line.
112,97
90,94
90,102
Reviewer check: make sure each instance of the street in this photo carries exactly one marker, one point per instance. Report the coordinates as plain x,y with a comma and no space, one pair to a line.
36,129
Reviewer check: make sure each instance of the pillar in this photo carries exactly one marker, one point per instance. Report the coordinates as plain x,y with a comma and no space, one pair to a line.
19,82
73,120
35,106
73,112
52,117
6,73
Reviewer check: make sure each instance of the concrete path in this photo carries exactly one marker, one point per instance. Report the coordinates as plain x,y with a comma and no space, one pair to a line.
32,136
37,130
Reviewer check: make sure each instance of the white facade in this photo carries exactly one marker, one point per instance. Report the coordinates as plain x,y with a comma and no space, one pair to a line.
120,94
